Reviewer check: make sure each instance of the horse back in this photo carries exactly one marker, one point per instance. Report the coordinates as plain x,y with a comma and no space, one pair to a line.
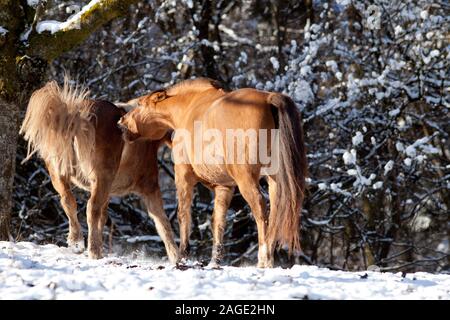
241,109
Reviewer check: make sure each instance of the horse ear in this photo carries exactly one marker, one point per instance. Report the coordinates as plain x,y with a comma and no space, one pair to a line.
216,84
158,96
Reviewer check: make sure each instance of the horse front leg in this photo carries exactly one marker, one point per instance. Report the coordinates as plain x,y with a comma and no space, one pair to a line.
222,199
154,203
185,182
75,240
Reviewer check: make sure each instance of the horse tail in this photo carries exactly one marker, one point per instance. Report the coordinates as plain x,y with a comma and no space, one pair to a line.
57,125
290,179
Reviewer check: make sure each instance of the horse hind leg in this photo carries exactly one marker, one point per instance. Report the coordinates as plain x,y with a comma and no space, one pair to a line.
249,187
97,215
272,182
75,238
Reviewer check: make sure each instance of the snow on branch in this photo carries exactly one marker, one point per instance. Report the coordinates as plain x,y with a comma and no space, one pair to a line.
53,38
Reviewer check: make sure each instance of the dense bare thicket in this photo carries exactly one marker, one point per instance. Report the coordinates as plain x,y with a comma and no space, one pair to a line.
371,80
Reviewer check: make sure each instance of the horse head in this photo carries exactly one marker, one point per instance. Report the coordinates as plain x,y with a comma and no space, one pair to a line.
144,121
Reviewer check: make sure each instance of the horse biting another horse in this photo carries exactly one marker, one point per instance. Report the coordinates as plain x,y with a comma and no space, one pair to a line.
80,143
203,101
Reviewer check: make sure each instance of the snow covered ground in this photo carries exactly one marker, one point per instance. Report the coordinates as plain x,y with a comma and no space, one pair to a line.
30,271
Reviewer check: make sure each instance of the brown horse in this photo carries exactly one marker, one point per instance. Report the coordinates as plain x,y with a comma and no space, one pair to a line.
80,143
202,107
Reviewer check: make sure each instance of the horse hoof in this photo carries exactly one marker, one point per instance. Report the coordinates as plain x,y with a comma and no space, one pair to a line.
261,264
265,264
174,259
213,265
77,246
95,254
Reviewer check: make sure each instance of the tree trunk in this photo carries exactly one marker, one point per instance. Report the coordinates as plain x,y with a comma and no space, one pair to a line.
9,115
207,52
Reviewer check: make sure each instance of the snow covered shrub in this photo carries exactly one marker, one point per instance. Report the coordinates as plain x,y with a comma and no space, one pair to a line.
378,132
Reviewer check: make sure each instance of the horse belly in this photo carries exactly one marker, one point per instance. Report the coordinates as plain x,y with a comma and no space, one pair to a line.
213,174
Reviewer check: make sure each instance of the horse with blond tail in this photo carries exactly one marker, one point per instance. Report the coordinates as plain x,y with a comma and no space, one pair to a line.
80,143
199,108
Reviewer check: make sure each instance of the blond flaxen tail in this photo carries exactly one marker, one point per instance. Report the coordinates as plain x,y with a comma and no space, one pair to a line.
57,119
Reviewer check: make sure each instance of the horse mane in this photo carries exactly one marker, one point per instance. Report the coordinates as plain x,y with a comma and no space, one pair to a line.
192,86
